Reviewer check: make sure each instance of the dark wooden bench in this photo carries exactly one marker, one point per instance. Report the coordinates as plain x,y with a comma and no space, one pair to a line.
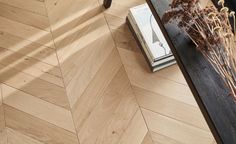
210,92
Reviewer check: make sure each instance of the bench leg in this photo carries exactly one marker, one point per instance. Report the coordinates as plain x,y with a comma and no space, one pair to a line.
107,3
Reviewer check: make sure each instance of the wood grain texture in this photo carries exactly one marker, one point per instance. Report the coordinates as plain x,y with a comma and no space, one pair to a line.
31,66
112,115
24,16
171,108
16,137
38,108
34,86
3,134
37,129
147,139
28,48
34,6
93,41
161,139
93,93
26,32
157,84
167,126
66,15
136,131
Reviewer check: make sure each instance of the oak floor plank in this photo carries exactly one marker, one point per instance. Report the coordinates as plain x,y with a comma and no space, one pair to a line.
89,48
136,61
93,93
87,69
136,131
26,32
25,17
112,115
171,108
161,139
162,86
157,84
2,118
37,129
147,139
66,15
15,137
35,6
28,48
176,130
124,40
31,66
3,134
38,108
34,86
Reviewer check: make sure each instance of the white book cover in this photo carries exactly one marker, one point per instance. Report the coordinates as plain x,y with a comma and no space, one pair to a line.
151,32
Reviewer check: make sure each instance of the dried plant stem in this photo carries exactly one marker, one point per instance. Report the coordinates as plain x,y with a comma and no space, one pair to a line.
211,32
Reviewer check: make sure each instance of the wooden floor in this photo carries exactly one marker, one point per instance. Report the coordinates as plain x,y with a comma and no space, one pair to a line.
71,73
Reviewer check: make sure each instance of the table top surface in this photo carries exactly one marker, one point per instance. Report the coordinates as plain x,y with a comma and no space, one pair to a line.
209,90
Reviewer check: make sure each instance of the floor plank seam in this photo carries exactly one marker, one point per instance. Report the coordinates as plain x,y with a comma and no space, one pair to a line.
118,142
168,137
174,119
127,74
24,9
40,119
59,64
165,96
4,114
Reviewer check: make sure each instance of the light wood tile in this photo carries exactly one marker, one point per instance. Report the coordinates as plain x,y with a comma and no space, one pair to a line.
112,115
35,6
136,131
161,139
3,134
15,137
136,61
2,119
157,84
23,16
37,129
171,108
3,137
93,93
115,22
162,86
87,69
38,108
34,86
66,15
176,130
147,139
125,40
28,48
31,66
87,51
26,32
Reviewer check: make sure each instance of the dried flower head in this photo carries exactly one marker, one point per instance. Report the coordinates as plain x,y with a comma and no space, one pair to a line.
211,32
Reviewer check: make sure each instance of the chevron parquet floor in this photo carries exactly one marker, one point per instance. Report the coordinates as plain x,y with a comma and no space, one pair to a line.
71,73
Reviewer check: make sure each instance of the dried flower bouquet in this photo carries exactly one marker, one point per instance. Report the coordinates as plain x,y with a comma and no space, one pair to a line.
211,32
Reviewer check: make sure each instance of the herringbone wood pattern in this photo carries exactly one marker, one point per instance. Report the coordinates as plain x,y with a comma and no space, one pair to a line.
71,73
